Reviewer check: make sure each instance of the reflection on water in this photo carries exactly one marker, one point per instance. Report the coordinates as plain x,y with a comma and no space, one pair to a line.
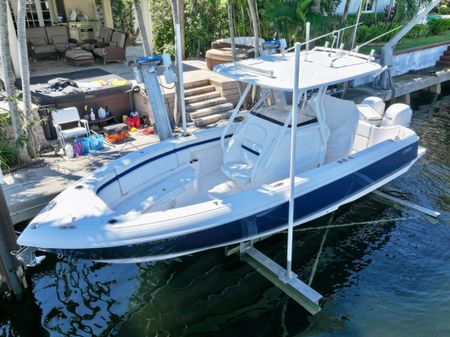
384,271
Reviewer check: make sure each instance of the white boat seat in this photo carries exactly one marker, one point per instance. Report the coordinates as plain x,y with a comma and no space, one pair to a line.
248,146
159,195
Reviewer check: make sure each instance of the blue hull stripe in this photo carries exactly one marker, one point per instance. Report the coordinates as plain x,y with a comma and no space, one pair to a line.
269,220
152,159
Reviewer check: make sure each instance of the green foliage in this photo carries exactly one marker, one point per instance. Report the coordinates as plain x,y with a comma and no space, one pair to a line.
9,154
419,31
287,17
205,21
123,15
439,26
444,10
366,33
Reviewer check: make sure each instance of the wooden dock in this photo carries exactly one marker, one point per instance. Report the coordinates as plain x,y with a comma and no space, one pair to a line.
403,86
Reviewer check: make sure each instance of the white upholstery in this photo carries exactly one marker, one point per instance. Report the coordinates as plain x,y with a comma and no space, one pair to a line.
69,115
247,147
341,117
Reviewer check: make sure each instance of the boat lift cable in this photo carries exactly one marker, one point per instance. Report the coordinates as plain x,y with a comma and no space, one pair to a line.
324,35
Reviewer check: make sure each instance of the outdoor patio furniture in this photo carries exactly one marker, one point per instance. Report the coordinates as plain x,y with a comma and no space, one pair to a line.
115,51
70,115
39,45
45,42
100,41
78,57
221,52
59,37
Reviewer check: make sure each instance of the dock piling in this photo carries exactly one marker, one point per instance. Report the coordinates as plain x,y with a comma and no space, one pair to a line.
10,269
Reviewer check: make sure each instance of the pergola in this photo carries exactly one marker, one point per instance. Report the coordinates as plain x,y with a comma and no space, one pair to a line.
107,18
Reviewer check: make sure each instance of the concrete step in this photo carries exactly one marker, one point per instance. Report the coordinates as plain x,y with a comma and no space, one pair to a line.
205,104
199,90
443,63
447,53
211,110
202,121
202,97
196,84
445,57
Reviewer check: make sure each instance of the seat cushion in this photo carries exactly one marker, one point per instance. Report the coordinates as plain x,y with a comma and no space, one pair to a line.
70,133
100,51
78,54
368,113
226,55
238,171
38,41
44,49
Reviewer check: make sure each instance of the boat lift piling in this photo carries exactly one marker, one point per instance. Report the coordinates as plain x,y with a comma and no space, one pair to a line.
282,278
11,272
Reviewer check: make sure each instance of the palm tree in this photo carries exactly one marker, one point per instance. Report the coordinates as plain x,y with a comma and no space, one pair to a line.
8,73
346,8
25,74
140,19
251,5
231,28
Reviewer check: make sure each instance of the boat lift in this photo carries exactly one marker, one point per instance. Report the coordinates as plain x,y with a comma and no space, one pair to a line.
284,278
146,71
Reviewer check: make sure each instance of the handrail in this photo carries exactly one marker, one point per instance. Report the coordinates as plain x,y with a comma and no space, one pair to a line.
233,116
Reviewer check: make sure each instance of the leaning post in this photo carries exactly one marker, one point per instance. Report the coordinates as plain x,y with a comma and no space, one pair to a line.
8,265
295,102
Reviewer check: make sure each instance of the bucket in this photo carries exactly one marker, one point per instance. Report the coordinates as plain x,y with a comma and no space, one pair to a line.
85,146
96,142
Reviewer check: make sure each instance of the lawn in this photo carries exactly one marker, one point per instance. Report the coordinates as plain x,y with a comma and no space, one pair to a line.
411,43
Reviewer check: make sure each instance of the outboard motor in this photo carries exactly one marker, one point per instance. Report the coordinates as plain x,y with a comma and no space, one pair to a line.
397,114
376,103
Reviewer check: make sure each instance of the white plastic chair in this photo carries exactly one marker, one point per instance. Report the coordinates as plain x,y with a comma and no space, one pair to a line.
69,115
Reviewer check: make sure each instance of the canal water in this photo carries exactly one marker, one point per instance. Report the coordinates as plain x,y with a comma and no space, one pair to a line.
383,271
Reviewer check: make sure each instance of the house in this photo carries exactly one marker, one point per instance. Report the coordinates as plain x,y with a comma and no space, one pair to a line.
372,6
44,13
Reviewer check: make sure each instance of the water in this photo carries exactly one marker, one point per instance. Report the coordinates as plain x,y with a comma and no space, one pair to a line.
385,274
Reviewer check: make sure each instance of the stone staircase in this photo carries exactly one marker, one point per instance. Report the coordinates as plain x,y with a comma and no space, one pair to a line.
205,104
207,100
444,61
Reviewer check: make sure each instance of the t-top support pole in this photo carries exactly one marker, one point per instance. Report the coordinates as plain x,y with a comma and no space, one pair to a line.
295,102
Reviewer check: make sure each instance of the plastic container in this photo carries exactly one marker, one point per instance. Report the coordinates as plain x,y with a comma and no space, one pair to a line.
85,145
96,142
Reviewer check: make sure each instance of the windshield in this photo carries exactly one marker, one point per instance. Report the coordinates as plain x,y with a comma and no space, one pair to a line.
275,106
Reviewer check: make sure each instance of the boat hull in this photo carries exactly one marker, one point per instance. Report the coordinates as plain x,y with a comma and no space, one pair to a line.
308,206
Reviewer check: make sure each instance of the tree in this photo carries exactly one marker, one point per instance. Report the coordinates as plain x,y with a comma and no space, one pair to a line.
140,19
345,13
251,5
8,74
231,28
25,74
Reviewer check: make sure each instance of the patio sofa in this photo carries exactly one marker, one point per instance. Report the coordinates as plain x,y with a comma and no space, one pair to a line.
45,42
115,50
220,51
101,40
